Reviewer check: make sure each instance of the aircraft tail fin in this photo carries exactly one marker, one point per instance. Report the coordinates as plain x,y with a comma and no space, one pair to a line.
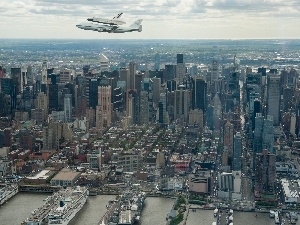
137,23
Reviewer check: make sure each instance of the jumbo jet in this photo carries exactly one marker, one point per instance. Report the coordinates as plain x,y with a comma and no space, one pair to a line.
136,26
95,27
114,21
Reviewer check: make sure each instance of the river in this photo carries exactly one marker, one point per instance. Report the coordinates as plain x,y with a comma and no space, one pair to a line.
19,208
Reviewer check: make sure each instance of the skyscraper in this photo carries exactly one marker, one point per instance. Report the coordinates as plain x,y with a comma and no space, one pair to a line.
132,72
104,107
181,68
157,62
144,108
199,94
104,63
124,76
273,98
237,152
265,173
68,107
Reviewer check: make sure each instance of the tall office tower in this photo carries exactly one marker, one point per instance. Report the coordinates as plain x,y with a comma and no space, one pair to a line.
124,76
85,69
53,97
179,58
265,174
144,108
289,78
263,134
27,99
42,103
23,77
118,99
132,106
1,72
92,92
57,133
29,77
268,134
66,75
215,71
288,98
217,112
132,72
156,89
104,107
170,72
26,139
44,72
237,152
228,136
104,63
157,62
68,107
181,104
257,134
47,138
256,109
5,137
196,118
181,68
199,94
139,77
163,117
90,118
15,75
273,98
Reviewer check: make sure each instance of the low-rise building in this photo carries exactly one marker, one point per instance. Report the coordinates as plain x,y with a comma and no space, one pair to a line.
65,177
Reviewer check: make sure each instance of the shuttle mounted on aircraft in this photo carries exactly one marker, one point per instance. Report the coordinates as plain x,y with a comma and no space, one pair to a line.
110,25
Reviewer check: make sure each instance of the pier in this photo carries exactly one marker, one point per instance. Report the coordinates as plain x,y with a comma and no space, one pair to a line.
111,208
38,188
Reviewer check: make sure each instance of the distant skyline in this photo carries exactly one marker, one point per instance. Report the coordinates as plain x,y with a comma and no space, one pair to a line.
162,19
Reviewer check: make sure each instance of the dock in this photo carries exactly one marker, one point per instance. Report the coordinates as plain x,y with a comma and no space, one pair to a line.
38,188
111,209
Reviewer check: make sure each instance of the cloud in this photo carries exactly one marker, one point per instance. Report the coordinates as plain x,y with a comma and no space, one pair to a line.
165,17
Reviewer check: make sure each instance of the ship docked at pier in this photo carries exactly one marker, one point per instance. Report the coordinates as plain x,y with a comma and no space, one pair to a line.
124,211
7,191
59,208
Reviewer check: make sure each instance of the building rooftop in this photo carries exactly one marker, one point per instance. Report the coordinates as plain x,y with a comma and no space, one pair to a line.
66,174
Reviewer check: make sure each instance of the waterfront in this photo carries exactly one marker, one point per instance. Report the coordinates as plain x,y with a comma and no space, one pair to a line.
155,211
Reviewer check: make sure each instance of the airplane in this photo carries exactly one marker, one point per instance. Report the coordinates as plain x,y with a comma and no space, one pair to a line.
95,27
136,26
113,21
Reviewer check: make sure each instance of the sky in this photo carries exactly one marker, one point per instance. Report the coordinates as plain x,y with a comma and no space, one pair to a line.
162,19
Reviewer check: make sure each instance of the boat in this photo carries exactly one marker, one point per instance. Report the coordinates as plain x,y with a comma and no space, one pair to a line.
7,191
293,221
70,204
276,217
272,214
59,208
216,212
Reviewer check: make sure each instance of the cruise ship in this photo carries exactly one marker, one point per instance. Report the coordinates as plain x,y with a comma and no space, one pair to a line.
7,191
59,208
